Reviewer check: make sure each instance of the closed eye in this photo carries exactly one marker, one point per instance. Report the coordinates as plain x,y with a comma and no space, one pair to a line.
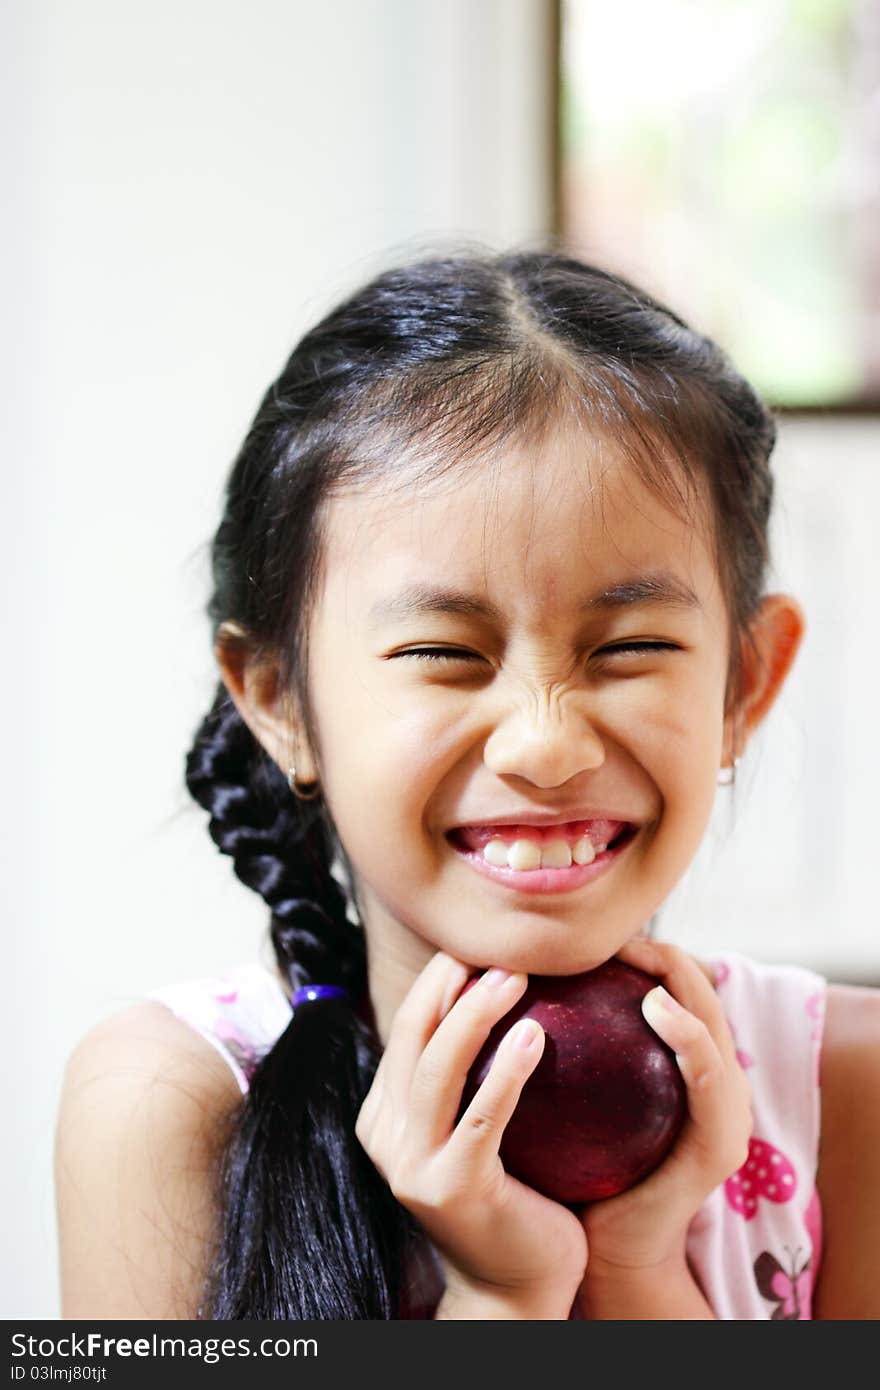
439,654
640,647
453,653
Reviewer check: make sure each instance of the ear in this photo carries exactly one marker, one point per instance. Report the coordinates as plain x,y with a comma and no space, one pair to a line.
777,631
253,684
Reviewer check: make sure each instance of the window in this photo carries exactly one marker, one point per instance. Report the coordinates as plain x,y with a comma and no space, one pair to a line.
725,154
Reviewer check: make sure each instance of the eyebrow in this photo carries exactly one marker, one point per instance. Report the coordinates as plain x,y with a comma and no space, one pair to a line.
660,588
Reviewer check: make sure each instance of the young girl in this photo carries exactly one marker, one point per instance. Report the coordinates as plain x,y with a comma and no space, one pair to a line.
490,618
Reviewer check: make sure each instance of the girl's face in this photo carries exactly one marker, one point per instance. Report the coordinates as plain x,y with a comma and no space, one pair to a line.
533,703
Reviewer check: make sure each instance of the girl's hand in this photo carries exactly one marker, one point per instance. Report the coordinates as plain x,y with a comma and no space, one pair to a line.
495,1235
645,1227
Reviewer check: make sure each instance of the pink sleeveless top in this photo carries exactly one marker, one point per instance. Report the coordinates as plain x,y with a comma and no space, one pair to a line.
755,1244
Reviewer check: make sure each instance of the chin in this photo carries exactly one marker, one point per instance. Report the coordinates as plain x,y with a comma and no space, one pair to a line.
539,947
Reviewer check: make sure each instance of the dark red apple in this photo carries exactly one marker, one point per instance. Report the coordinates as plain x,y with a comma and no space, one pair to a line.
605,1103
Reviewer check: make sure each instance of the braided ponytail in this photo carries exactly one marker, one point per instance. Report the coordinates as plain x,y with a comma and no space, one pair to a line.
278,847
308,1229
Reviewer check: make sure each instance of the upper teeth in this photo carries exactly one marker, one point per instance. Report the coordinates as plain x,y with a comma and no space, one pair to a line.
554,854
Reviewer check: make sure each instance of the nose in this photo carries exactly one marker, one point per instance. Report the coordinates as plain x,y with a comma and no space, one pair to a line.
547,743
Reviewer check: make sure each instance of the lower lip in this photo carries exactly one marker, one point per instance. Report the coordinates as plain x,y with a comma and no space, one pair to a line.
547,880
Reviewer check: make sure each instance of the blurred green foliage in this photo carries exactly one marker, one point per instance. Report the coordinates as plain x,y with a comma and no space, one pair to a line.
713,147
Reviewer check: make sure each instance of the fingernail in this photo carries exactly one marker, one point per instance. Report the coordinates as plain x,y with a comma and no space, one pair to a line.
496,976
660,996
525,1032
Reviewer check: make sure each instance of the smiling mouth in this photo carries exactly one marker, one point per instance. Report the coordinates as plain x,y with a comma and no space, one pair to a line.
559,862
528,848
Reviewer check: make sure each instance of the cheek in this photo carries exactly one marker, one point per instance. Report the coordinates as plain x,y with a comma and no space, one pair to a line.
679,747
410,751
685,743
687,783
382,772
673,738
370,734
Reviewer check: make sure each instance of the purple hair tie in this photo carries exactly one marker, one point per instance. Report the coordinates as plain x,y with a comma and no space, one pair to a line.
309,993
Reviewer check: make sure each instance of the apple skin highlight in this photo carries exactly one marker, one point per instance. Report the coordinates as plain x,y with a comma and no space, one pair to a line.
605,1103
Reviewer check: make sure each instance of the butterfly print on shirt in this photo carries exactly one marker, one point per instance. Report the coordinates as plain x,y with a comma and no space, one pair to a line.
789,1288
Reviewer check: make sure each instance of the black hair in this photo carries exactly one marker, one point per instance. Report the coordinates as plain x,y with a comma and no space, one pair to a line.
435,361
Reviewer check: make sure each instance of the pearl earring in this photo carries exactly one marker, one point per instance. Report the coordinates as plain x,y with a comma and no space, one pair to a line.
312,789
727,775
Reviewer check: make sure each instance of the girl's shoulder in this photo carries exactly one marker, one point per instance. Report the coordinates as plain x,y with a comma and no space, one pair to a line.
148,1098
147,1041
850,1069
849,1145
143,1115
852,1024
850,1066
240,1013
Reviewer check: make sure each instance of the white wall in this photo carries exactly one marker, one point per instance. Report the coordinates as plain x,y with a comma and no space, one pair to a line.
189,184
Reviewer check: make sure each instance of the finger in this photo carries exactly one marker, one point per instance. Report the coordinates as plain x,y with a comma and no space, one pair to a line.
685,981
429,998
439,1078
478,1134
717,1102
